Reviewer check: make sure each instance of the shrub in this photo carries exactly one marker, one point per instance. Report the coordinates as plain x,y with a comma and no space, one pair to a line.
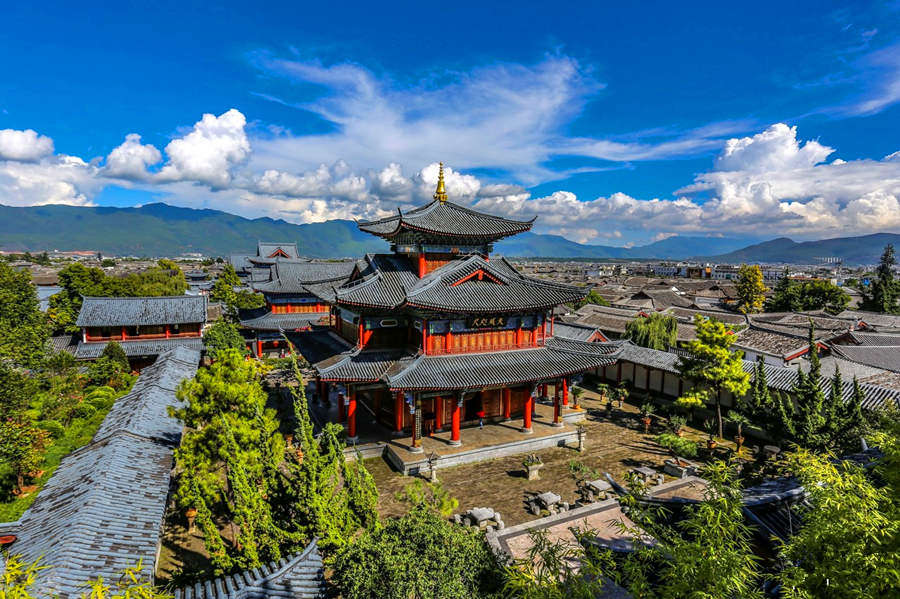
684,448
84,410
55,429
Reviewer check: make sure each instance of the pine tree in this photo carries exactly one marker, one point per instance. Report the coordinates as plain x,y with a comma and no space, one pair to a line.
711,362
228,461
809,421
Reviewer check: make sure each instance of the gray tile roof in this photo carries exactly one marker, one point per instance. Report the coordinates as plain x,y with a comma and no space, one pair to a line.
265,249
770,342
390,281
576,331
283,322
299,576
297,277
131,311
366,365
149,347
66,343
884,357
502,288
318,344
559,357
874,339
447,219
102,509
779,378
382,283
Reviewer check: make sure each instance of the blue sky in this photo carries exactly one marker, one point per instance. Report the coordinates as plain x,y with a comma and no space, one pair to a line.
617,123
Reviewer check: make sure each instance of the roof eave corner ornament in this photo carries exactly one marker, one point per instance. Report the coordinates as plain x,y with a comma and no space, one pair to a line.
440,194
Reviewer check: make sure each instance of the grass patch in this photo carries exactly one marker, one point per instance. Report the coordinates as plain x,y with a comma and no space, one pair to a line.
78,434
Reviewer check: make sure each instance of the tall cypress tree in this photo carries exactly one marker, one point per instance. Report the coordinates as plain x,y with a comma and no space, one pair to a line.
809,421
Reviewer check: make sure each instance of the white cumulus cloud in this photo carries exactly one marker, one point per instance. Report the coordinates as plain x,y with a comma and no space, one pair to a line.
207,154
25,146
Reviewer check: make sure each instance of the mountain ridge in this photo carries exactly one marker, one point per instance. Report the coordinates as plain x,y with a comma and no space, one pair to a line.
159,229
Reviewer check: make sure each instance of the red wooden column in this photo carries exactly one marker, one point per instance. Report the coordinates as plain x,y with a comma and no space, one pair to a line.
454,421
351,415
565,392
421,265
438,414
258,348
340,406
168,331
123,334
398,413
507,403
526,413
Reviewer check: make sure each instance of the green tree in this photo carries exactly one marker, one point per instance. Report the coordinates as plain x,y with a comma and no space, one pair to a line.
224,293
23,327
16,391
751,291
885,290
19,577
591,298
325,496
223,336
419,555
431,495
229,458
798,296
657,331
711,362
849,544
114,353
21,448
707,553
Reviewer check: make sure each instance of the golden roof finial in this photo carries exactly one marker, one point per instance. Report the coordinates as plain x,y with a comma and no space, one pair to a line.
440,194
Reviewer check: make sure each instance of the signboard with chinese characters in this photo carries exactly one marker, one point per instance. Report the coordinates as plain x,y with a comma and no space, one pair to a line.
486,322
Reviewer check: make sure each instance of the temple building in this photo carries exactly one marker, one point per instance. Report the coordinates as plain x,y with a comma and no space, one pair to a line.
299,295
144,326
440,334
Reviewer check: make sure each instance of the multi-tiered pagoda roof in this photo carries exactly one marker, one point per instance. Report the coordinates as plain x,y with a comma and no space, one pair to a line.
443,218
469,285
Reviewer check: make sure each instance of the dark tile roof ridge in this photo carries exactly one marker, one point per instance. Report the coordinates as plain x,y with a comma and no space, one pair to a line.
461,208
246,582
143,297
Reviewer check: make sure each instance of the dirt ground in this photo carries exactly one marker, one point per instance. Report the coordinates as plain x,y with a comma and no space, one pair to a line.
614,445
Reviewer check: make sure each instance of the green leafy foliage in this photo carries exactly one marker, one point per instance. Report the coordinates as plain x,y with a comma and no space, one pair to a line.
707,554
418,555
884,292
21,448
23,327
78,280
591,298
712,363
750,289
680,446
790,295
430,495
229,458
224,293
849,545
657,331
19,577
223,336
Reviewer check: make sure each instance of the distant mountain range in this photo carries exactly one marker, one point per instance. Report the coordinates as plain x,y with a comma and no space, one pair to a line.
163,230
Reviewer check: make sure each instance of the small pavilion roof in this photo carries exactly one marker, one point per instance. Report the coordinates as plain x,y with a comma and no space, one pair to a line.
447,219
283,322
133,311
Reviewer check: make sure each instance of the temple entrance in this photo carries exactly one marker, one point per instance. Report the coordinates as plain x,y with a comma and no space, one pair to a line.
472,406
